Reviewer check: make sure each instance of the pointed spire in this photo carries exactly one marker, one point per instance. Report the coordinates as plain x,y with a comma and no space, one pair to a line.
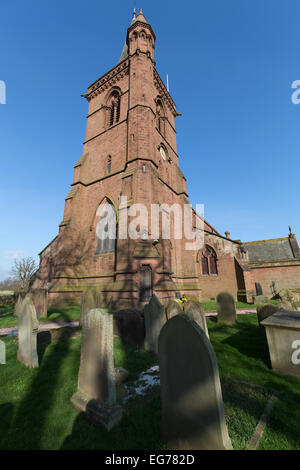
134,16
141,17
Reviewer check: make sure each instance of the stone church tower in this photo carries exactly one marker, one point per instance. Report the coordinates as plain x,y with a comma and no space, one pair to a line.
130,152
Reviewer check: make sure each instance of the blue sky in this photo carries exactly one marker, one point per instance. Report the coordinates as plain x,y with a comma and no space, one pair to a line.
230,64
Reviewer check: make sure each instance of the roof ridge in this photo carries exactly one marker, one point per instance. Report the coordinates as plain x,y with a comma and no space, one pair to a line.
266,241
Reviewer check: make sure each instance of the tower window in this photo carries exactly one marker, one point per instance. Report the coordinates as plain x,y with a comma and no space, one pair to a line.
114,105
106,228
109,165
160,116
209,261
112,114
118,109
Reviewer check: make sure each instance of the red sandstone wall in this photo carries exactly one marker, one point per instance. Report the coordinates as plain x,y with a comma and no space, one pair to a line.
284,277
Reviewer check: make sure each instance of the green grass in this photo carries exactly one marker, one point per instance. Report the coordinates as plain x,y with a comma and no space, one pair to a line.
211,305
65,314
242,354
55,314
36,413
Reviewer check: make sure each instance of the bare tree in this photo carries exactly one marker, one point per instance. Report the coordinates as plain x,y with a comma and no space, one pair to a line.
9,284
22,271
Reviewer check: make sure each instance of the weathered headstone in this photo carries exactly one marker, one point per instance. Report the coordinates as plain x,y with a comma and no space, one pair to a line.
265,311
226,308
96,394
173,308
89,301
155,318
129,325
287,301
258,289
20,296
193,310
27,331
283,335
39,298
2,353
192,404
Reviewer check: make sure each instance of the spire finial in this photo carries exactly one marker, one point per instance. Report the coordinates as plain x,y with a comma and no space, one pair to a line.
134,9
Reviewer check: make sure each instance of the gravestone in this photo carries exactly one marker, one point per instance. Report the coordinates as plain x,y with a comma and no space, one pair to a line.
20,297
173,308
258,289
2,353
129,325
193,310
39,298
287,301
283,335
96,394
27,332
155,318
226,308
89,301
265,311
192,404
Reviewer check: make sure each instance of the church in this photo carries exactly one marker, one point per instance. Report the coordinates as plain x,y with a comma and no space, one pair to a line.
130,154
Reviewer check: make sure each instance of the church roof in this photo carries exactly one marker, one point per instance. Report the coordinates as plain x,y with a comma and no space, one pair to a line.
277,249
124,54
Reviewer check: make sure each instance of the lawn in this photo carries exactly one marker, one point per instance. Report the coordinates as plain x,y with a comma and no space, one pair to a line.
36,413
55,314
63,314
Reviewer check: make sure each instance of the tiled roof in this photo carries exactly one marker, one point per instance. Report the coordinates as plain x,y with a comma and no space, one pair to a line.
276,249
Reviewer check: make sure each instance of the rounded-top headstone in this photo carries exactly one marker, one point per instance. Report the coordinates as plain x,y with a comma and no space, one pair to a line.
265,311
155,318
193,309
226,308
192,404
27,333
173,308
89,301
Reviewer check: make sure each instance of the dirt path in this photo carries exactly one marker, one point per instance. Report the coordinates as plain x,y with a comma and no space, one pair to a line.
42,327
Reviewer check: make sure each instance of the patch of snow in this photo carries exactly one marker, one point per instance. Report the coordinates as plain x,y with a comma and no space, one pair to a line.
146,381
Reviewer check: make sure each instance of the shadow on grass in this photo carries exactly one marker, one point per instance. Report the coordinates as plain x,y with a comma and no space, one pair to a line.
139,429
32,413
249,340
63,314
6,414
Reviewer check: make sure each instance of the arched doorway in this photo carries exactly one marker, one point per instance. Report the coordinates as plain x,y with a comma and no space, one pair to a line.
145,283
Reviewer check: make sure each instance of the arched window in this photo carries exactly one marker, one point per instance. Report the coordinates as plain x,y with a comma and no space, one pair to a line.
114,106
106,228
160,116
109,164
209,261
